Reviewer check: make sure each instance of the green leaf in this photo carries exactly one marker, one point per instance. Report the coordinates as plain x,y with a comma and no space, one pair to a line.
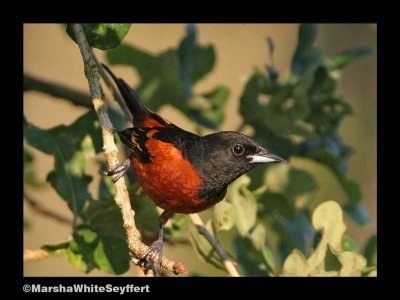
328,258
248,258
112,255
250,108
341,60
146,215
103,36
130,55
267,116
194,61
331,263
352,264
224,216
295,265
56,249
30,177
270,260
328,218
307,36
272,122
257,237
296,185
80,250
352,189
204,250
72,187
275,143
160,82
334,154
371,250
358,213
179,224
369,272
301,188
272,127
298,232
244,203
105,218
71,146
106,187
349,244
289,193
89,250
304,87
272,72
306,56
208,109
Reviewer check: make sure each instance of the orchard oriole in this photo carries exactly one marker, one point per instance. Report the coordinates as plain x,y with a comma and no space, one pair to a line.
181,172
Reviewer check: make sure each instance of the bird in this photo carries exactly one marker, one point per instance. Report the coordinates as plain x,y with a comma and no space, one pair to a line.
181,172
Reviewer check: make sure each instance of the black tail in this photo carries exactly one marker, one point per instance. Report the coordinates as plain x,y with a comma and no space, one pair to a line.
131,98
140,113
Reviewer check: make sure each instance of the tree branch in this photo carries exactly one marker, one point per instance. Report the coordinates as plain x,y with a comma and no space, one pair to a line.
59,91
44,211
226,260
37,254
136,246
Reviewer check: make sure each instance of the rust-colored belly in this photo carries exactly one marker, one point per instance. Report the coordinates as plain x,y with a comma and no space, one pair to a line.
170,181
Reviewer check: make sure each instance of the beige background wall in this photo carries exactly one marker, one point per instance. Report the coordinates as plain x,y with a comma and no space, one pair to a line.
51,55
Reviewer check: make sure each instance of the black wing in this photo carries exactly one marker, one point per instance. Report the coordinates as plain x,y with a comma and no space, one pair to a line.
135,139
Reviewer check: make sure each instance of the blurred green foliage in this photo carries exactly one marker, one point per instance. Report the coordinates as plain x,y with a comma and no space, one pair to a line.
102,36
329,258
266,214
169,77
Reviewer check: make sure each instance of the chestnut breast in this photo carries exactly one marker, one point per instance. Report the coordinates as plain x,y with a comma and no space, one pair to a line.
170,180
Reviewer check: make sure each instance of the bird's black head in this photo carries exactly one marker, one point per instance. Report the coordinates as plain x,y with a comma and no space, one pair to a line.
224,156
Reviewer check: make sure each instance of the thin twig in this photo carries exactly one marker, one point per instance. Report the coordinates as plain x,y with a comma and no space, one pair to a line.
115,92
59,91
37,254
135,245
227,261
34,204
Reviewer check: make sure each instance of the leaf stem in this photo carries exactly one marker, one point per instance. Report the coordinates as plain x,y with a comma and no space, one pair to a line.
44,211
226,260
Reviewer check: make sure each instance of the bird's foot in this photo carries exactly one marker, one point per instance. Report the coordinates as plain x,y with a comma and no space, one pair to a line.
148,258
119,170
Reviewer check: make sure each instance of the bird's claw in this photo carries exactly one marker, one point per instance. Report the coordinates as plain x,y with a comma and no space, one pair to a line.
148,258
118,170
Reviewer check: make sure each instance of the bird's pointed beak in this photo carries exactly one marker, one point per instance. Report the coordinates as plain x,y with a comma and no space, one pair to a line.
263,157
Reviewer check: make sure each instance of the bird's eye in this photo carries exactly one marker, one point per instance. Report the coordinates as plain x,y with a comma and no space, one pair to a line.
238,149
